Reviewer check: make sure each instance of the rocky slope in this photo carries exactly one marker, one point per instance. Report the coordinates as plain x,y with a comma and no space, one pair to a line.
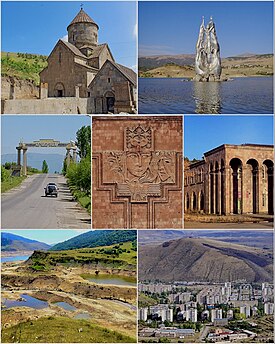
198,259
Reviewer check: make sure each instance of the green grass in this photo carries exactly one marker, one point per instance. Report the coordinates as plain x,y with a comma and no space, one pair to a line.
23,66
11,183
118,256
62,330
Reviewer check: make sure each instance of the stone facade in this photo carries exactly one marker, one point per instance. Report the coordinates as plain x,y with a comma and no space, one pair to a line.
231,179
137,172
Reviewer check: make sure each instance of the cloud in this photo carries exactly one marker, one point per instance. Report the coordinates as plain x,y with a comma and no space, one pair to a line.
65,38
135,31
149,50
134,67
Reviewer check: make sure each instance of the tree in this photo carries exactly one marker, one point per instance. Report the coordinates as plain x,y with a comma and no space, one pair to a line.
45,167
83,141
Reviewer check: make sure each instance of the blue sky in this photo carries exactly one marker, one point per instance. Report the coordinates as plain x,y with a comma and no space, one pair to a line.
29,128
173,27
48,236
36,26
204,133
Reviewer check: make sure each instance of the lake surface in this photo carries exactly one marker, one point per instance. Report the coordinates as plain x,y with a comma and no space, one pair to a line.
179,96
111,279
30,302
65,306
13,258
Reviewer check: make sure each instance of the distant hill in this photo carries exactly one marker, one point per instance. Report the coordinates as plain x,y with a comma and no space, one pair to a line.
23,65
12,243
260,239
150,62
54,161
204,260
183,65
96,238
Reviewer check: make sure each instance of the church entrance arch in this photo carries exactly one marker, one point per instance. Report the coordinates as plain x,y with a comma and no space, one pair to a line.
110,101
59,90
42,143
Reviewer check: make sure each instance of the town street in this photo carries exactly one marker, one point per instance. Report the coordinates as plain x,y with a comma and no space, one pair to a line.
26,206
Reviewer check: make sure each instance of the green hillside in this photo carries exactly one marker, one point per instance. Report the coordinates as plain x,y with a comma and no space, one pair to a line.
22,65
118,256
97,238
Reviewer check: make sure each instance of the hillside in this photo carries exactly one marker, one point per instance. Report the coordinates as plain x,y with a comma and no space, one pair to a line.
12,243
23,65
198,259
260,239
119,256
183,66
96,238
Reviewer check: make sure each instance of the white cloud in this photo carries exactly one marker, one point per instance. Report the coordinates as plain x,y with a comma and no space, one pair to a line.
148,50
135,30
65,38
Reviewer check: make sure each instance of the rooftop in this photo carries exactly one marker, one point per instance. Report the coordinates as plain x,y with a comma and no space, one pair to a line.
82,17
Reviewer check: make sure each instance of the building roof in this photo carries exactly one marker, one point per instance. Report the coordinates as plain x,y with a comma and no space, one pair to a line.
129,73
82,17
125,71
96,51
74,49
244,145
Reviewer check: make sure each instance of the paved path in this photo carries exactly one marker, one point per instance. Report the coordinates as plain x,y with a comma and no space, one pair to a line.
26,207
227,225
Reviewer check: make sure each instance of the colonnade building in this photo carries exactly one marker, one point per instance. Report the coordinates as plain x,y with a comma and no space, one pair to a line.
231,179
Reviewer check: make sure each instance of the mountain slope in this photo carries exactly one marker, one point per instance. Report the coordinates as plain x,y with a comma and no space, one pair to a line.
96,238
198,259
11,242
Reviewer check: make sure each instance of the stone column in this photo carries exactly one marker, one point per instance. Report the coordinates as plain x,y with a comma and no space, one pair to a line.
68,156
218,191
25,161
207,192
228,190
247,189
18,156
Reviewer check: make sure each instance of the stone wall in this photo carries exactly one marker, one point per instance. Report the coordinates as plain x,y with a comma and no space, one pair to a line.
105,84
63,71
14,88
46,106
137,172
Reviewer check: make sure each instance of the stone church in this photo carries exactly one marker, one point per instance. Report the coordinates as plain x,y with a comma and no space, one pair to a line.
84,68
82,77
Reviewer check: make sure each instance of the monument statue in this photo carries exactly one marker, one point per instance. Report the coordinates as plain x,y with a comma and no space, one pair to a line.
208,61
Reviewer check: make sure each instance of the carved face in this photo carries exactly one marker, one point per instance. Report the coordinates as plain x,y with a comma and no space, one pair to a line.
165,168
138,163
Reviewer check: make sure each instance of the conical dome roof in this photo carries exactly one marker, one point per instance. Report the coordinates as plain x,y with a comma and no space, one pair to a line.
82,17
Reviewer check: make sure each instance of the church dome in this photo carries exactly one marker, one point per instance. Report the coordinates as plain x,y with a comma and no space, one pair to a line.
82,17
83,31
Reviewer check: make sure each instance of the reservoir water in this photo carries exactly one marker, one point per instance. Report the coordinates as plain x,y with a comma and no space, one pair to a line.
29,302
65,306
179,96
111,279
13,258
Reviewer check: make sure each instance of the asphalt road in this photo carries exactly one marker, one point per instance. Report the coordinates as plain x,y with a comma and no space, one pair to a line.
26,206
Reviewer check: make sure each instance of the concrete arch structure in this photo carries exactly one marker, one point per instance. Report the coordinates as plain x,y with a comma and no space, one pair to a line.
233,179
42,143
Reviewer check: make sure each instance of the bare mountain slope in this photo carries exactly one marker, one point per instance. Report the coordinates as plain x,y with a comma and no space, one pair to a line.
197,259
